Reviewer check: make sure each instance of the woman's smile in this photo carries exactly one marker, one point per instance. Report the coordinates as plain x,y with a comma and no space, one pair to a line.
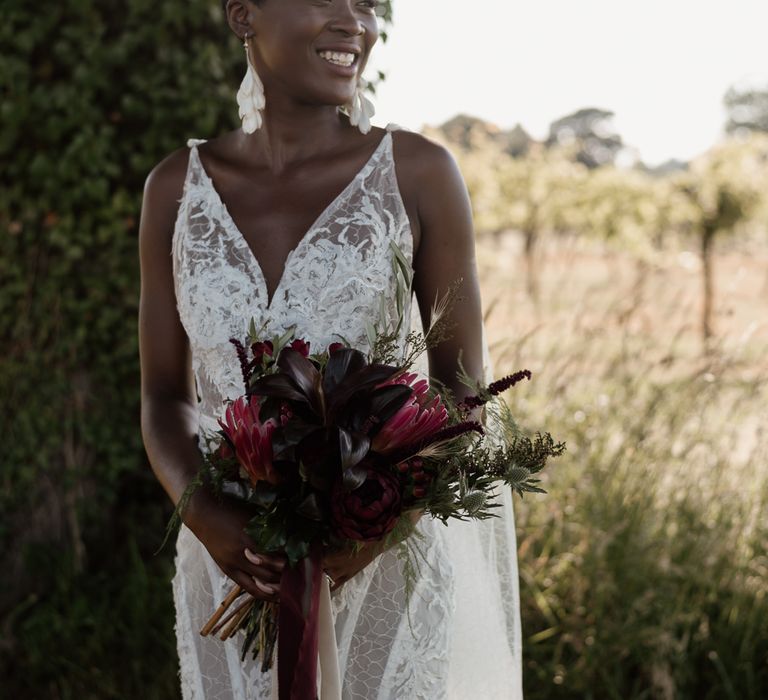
343,60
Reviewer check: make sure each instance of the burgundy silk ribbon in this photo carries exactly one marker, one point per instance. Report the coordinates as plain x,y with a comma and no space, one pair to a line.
297,638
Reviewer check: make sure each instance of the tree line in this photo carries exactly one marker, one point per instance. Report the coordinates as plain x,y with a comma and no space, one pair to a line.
572,185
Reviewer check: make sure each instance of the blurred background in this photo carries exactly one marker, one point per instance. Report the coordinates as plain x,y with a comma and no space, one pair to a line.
617,160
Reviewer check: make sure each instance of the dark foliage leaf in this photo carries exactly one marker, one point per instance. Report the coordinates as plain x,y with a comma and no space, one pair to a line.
278,385
319,456
310,508
264,494
296,548
297,429
275,540
305,375
362,380
381,404
354,477
341,363
353,447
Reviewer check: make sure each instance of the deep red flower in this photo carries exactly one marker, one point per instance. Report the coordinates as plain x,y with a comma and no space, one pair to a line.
301,346
260,349
417,419
251,438
370,511
335,346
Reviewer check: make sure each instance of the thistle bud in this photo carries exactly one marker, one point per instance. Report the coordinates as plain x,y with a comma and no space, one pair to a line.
473,501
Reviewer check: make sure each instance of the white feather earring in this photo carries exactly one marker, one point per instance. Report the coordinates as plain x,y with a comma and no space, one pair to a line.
360,109
250,96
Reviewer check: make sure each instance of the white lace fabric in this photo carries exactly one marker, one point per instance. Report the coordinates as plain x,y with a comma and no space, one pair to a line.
332,284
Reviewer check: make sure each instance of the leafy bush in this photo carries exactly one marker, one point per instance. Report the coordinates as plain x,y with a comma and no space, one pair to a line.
94,94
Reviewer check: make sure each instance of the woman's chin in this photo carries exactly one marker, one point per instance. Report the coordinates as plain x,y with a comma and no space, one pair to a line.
336,99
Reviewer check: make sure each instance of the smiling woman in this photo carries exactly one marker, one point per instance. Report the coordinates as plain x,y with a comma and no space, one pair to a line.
290,221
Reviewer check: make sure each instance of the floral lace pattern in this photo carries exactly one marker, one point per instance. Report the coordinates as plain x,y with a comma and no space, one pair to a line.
333,282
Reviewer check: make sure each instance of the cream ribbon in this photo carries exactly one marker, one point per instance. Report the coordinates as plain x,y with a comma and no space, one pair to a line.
328,681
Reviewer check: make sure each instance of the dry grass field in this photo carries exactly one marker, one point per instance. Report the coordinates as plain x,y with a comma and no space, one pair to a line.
645,568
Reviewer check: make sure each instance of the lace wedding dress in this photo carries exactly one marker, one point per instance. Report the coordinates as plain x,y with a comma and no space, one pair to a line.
463,641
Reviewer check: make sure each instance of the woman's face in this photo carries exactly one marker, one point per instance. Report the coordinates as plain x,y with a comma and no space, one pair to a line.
314,50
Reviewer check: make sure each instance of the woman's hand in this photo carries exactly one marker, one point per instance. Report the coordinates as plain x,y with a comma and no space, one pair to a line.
342,565
219,525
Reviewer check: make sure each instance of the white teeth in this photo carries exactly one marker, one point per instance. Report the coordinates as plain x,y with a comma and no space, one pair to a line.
339,58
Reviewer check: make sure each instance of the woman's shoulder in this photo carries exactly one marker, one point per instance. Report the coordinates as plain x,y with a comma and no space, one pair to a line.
426,168
164,190
419,149
169,173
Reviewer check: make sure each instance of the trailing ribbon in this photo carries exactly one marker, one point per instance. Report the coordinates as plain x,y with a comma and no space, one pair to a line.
297,639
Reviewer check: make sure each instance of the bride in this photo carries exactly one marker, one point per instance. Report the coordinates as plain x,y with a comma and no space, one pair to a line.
289,221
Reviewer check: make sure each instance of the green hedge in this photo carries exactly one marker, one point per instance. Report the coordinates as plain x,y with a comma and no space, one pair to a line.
94,95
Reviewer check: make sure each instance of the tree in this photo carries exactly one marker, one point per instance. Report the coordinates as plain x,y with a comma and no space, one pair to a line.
533,194
470,133
727,185
590,128
747,109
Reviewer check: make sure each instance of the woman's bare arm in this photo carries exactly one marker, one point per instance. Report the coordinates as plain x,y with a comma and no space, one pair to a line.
168,398
168,401
446,254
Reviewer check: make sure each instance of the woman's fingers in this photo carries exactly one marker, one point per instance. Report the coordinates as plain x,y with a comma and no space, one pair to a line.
274,563
269,592
247,584
256,587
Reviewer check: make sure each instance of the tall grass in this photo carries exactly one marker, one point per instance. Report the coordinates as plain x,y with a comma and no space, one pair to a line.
644,570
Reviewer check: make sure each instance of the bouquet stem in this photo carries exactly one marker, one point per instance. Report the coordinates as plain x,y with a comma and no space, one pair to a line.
235,618
232,596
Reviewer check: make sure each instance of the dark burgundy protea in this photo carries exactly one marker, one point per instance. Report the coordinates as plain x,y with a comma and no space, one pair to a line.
251,439
415,421
370,511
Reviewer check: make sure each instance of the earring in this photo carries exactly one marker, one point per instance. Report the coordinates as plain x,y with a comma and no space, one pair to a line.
250,96
360,109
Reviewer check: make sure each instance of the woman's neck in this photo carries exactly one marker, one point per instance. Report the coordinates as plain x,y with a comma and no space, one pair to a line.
290,135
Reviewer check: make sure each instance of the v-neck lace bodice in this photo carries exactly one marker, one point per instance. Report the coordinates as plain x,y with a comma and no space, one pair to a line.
336,279
318,222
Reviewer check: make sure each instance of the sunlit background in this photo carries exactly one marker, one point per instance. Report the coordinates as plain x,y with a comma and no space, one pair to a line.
662,66
616,155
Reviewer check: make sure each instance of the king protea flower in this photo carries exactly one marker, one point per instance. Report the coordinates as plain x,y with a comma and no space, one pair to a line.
417,419
251,439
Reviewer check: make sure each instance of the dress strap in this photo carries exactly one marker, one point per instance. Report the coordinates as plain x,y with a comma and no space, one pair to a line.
191,180
394,127
194,166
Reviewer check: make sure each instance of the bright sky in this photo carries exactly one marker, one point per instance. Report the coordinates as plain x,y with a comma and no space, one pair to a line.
662,66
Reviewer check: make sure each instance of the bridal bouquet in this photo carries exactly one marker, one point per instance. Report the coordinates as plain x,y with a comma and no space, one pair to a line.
335,448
